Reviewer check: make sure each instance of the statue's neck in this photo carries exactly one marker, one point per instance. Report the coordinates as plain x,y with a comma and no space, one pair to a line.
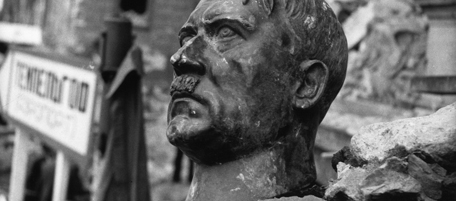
270,173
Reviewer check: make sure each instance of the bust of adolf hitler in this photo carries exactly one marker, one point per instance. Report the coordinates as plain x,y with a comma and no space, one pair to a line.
253,80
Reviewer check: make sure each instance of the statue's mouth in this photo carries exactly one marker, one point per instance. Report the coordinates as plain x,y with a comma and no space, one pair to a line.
184,100
187,119
189,105
188,112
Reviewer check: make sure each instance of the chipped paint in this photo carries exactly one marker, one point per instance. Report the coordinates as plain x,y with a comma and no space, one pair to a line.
298,132
260,175
193,188
241,177
235,189
325,6
310,22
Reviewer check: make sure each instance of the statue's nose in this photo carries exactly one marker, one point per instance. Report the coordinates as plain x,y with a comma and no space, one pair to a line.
187,60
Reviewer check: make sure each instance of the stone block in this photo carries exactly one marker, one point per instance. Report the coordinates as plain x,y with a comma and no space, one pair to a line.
348,183
449,187
409,159
434,134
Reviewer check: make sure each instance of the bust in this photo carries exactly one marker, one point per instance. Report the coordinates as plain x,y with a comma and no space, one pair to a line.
253,80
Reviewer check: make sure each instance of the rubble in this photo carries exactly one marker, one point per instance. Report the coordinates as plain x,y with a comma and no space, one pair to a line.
347,186
387,46
409,159
449,187
429,178
434,134
386,184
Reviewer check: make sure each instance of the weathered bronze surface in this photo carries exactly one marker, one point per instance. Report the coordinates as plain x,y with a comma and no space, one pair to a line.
253,80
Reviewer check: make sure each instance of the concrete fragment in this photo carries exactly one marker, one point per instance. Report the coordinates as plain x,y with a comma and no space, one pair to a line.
356,26
435,134
346,156
449,187
347,187
409,159
387,42
413,177
431,180
387,184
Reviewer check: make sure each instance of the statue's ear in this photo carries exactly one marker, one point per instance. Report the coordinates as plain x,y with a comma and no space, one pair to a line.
311,84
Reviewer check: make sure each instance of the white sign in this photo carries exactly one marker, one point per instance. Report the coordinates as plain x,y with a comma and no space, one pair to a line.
1,5
51,97
4,72
20,33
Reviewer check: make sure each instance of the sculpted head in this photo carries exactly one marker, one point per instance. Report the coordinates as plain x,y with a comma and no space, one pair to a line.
253,75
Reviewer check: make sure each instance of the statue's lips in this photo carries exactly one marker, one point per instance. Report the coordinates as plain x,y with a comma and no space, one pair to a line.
187,107
190,105
188,116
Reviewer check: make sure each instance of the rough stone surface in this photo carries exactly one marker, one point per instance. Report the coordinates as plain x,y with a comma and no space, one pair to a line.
430,179
410,159
346,156
449,187
348,183
387,183
435,134
387,47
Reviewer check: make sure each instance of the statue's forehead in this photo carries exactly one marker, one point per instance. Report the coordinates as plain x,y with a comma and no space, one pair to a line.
207,10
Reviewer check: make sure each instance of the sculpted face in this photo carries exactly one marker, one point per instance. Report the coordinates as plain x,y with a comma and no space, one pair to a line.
253,80
232,89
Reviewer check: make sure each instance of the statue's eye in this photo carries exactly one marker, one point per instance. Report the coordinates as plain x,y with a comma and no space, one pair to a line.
225,32
184,38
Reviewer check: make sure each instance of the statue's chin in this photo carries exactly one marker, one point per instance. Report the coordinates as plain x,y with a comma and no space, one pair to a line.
182,129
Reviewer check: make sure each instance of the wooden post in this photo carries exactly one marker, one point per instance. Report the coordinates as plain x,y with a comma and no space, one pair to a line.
61,178
19,166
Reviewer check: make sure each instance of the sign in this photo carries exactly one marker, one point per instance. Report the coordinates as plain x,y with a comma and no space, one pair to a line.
15,33
53,98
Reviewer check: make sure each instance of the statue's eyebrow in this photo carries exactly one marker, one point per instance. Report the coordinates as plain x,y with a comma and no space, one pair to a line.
236,18
187,28
185,31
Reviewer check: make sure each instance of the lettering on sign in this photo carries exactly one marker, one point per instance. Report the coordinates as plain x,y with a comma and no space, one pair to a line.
46,84
54,98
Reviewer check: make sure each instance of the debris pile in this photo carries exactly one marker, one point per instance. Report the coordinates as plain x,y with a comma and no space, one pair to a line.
387,47
409,159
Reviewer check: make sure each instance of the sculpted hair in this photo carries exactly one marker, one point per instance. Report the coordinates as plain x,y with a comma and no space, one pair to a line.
318,36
